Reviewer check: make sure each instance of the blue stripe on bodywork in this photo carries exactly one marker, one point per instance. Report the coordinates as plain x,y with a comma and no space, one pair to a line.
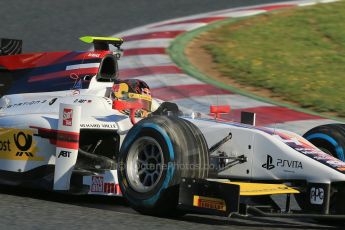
21,77
56,67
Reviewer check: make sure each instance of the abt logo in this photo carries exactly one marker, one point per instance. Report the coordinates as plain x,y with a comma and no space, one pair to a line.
67,117
317,195
64,153
268,165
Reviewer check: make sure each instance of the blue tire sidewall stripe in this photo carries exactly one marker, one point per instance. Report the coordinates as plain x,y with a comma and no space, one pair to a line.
170,169
338,149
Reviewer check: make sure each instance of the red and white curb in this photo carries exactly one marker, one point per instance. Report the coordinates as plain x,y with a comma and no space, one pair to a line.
145,58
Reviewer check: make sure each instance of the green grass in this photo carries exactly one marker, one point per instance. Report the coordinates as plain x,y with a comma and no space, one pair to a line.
298,54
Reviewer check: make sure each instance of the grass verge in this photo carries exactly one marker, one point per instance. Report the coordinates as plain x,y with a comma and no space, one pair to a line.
298,54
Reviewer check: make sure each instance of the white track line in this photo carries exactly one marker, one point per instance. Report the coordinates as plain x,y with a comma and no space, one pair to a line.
163,80
148,43
186,27
139,61
244,13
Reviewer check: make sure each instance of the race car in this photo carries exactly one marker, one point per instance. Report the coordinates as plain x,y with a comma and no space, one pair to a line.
70,124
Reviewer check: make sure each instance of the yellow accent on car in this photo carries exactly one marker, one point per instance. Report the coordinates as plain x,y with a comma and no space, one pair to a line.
18,144
121,90
209,202
91,39
257,189
140,96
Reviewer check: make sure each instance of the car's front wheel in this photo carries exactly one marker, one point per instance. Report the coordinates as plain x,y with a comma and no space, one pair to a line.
156,153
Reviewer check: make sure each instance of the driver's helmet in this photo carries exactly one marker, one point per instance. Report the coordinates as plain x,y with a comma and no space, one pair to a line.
135,91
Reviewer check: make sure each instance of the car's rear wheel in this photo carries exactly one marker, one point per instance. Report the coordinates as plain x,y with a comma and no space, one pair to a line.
156,153
330,139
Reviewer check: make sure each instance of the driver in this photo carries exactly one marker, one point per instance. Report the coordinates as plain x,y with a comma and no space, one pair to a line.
132,91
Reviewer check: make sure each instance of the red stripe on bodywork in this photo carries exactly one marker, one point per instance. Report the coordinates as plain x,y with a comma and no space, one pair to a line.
197,20
153,35
67,145
274,7
59,138
144,51
268,115
185,91
24,61
151,70
82,71
34,60
118,189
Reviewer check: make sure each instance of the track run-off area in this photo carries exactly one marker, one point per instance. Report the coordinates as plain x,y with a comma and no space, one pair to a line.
146,58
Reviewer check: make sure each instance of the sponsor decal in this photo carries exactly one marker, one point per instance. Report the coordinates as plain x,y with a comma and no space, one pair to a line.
109,188
210,203
268,165
289,163
16,144
323,157
23,142
67,117
336,163
309,151
77,81
5,145
97,184
283,163
27,103
52,101
289,140
317,195
81,101
101,125
64,153
94,55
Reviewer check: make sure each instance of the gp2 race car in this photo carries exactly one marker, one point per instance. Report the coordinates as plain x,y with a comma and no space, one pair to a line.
69,124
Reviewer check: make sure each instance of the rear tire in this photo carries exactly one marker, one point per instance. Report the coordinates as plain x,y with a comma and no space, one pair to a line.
329,138
156,153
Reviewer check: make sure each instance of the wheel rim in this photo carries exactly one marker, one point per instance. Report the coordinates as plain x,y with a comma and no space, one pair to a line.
144,165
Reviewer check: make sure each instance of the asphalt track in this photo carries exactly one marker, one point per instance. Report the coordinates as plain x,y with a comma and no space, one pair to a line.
55,25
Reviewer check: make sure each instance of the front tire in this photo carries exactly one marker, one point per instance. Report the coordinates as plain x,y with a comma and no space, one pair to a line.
156,153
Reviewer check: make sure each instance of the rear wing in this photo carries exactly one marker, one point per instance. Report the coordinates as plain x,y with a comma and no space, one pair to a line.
10,46
102,43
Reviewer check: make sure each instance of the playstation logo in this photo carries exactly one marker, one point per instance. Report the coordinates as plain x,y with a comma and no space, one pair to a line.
268,165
